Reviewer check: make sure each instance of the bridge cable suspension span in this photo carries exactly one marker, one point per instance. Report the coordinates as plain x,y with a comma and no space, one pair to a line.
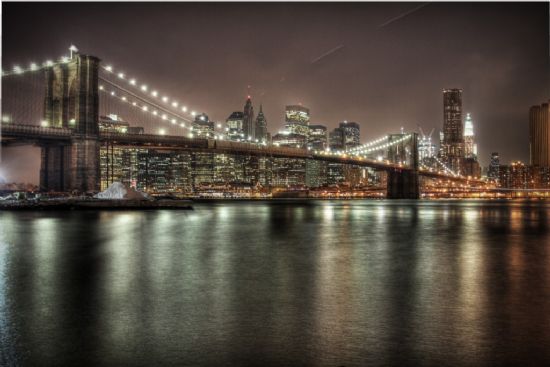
145,89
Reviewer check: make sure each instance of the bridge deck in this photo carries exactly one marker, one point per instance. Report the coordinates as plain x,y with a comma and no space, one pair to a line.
13,133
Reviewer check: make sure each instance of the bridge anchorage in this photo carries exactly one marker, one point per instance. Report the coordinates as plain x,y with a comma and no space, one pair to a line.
78,153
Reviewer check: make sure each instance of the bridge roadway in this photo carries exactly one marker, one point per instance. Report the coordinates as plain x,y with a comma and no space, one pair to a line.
29,134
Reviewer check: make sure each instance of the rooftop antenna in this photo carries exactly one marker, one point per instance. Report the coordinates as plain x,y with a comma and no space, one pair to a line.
72,50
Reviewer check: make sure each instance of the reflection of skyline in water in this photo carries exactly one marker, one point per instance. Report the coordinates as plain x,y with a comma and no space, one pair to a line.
316,283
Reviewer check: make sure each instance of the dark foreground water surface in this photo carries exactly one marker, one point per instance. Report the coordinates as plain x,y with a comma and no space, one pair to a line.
318,283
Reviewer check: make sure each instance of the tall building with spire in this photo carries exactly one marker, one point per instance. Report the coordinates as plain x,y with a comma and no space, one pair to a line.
249,126
261,126
470,146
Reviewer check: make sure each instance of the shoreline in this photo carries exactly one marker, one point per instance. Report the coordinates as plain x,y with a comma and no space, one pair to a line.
95,204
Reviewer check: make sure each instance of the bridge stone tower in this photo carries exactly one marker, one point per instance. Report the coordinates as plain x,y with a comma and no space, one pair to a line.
72,102
403,183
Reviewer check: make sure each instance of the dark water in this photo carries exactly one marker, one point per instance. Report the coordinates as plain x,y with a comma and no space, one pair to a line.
276,284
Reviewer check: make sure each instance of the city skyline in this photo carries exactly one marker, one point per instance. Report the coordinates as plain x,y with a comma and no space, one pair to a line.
337,76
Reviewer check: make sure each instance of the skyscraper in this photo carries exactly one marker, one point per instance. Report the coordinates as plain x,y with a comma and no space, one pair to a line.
494,166
203,127
351,134
297,119
539,136
470,146
261,126
345,136
426,148
234,126
249,126
453,130
317,138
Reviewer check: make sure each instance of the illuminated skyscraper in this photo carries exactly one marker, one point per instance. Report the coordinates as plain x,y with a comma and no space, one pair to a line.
345,136
351,134
426,148
297,113
261,126
494,166
539,135
453,130
317,138
234,126
249,126
297,119
203,127
470,146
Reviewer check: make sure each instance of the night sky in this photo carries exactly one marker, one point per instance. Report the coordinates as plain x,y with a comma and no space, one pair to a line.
389,64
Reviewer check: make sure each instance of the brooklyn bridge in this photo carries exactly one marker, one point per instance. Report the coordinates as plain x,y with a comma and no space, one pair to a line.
70,109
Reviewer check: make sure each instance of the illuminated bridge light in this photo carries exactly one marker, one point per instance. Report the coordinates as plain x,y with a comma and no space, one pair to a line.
109,68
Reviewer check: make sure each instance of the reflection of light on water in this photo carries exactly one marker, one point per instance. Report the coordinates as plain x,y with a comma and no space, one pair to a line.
381,214
334,293
46,279
472,282
516,216
328,213
121,273
7,333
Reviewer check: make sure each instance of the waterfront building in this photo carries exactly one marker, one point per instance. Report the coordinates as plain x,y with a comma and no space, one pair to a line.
335,173
316,173
202,169
150,170
289,172
453,131
471,167
261,127
539,135
515,176
235,126
249,123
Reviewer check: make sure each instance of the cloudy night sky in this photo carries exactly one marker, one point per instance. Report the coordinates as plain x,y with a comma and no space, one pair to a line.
388,65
